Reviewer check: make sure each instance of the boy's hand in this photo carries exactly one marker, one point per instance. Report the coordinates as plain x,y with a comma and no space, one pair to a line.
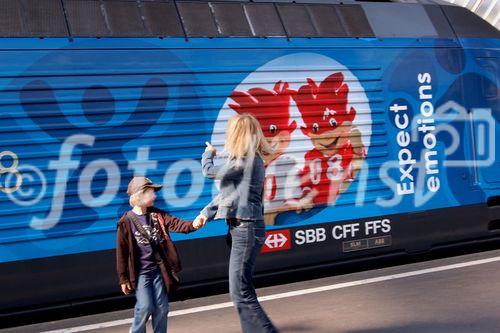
199,221
126,288
211,148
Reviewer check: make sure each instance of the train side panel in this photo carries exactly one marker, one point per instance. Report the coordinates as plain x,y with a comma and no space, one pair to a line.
383,146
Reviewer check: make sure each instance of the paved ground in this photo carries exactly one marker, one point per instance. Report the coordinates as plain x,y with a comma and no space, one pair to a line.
457,294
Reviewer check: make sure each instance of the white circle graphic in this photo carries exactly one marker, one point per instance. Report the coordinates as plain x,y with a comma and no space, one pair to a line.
297,70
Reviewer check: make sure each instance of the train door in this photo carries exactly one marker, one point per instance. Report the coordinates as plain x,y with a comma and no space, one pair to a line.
485,131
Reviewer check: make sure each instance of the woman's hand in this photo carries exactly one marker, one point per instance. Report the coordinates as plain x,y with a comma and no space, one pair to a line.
210,148
126,288
199,221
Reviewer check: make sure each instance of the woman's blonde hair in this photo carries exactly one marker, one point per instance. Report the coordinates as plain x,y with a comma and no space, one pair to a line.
244,137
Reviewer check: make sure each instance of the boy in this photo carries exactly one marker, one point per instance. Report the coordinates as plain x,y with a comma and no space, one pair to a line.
135,261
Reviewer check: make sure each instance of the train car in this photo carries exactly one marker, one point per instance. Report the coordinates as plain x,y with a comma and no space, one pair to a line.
384,117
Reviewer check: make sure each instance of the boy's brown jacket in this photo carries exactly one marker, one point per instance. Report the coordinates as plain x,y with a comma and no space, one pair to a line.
126,245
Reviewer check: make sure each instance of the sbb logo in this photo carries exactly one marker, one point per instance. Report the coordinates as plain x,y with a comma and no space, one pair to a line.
310,236
277,240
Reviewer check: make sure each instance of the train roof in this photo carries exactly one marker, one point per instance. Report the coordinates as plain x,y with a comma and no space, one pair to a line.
240,18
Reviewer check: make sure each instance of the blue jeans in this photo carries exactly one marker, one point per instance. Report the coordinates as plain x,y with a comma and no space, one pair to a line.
151,299
246,241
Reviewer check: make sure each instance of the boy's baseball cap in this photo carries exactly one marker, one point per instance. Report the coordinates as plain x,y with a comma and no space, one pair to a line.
139,183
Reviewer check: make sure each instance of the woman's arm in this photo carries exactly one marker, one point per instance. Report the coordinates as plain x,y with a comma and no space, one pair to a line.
226,171
211,209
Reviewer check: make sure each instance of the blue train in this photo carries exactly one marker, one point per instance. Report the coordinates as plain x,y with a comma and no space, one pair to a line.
384,116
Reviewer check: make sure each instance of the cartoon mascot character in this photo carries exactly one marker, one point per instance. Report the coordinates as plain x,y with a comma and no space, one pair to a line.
282,188
338,151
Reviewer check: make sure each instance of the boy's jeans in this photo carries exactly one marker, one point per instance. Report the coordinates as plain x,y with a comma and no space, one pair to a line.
152,300
246,241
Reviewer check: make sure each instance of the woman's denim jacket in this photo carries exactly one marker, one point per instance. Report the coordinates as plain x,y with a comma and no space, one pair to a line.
241,188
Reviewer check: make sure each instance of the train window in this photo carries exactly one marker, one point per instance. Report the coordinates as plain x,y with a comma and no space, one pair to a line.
489,87
231,19
124,18
402,20
264,19
326,20
10,18
439,21
85,18
44,18
197,19
161,19
354,21
467,24
296,20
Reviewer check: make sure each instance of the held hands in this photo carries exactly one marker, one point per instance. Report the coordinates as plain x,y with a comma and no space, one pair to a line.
126,288
199,221
210,148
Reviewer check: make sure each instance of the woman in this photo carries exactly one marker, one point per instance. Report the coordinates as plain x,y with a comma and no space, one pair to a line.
240,203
